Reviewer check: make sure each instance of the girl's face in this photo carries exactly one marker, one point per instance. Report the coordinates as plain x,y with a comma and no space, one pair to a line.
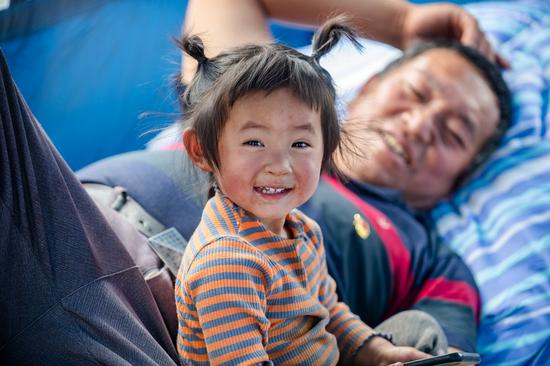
271,152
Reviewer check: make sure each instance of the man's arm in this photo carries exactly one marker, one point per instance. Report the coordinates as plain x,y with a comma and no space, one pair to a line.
226,23
222,24
396,22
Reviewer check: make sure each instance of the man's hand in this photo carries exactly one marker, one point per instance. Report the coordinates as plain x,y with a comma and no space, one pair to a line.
446,21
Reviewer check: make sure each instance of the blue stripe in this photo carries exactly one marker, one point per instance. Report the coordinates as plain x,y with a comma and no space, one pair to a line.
229,318
220,275
243,346
228,291
533,302
297,300
231,304
516,343
525,255
541,278
483,233
229,334
199,351
292,312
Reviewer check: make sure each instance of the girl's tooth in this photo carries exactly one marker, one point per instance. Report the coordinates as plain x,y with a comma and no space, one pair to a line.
270,190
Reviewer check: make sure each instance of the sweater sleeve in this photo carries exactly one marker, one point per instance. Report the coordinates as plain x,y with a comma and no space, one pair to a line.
349,330
221,302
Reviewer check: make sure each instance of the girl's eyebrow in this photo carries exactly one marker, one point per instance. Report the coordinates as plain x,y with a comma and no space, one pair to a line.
306,127
250,125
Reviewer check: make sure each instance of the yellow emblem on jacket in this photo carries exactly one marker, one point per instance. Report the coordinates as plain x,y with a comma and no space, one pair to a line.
361,227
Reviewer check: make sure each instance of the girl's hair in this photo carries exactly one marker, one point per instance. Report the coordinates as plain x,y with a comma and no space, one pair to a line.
220,81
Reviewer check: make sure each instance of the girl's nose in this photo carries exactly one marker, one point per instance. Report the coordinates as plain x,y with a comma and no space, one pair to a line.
279,163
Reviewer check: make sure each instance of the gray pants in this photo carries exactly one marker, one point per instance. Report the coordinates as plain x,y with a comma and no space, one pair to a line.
416,329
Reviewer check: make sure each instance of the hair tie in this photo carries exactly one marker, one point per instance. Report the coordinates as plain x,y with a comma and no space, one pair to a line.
318,53
202,59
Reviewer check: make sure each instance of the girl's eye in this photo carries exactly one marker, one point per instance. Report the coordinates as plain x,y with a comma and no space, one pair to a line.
253,143
300,145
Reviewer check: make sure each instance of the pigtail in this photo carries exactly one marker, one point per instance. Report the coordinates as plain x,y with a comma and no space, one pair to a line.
330,34
206,70
194,47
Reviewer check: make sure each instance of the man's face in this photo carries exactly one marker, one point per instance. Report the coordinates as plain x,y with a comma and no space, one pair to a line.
421,125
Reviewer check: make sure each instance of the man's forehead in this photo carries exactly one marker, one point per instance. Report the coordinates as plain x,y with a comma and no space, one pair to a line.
435,59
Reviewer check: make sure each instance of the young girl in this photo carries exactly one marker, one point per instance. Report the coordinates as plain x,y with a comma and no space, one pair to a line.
253,285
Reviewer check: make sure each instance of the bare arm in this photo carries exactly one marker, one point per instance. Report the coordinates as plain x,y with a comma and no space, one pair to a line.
226,23
223,24
396,22
375,19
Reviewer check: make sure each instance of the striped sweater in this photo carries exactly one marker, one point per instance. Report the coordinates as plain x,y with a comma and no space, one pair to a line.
246,296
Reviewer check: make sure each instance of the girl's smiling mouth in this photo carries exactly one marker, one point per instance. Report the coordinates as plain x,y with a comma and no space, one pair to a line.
272,191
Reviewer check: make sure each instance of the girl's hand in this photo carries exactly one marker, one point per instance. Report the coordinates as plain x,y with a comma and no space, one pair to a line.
380,352
446,21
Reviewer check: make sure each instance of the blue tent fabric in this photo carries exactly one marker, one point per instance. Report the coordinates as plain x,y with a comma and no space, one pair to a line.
88,77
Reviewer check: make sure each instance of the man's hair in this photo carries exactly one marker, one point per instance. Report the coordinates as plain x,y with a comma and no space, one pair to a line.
491,73
223,79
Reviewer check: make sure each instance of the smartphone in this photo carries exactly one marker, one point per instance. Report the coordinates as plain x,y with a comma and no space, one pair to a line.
450,359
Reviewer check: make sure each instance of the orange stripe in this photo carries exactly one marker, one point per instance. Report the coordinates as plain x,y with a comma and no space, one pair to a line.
250,254
276,330
223,343
285,308
249,225
291,292
239,353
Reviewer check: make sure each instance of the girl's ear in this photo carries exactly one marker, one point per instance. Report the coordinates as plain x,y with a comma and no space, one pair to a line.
194,151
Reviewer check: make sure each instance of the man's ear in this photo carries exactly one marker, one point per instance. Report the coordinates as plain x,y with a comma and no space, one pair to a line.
194,151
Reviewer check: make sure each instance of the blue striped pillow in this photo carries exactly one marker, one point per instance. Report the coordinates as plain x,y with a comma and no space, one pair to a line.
499,222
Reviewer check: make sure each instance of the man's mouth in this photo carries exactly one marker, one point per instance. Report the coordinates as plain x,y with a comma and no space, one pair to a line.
396,147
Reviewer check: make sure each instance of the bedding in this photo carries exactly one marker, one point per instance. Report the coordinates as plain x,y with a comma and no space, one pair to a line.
499,221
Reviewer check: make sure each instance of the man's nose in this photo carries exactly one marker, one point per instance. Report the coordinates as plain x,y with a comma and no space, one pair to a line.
278,163
421,124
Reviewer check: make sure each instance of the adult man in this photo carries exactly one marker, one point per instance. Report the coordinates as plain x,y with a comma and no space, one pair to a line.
73,294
